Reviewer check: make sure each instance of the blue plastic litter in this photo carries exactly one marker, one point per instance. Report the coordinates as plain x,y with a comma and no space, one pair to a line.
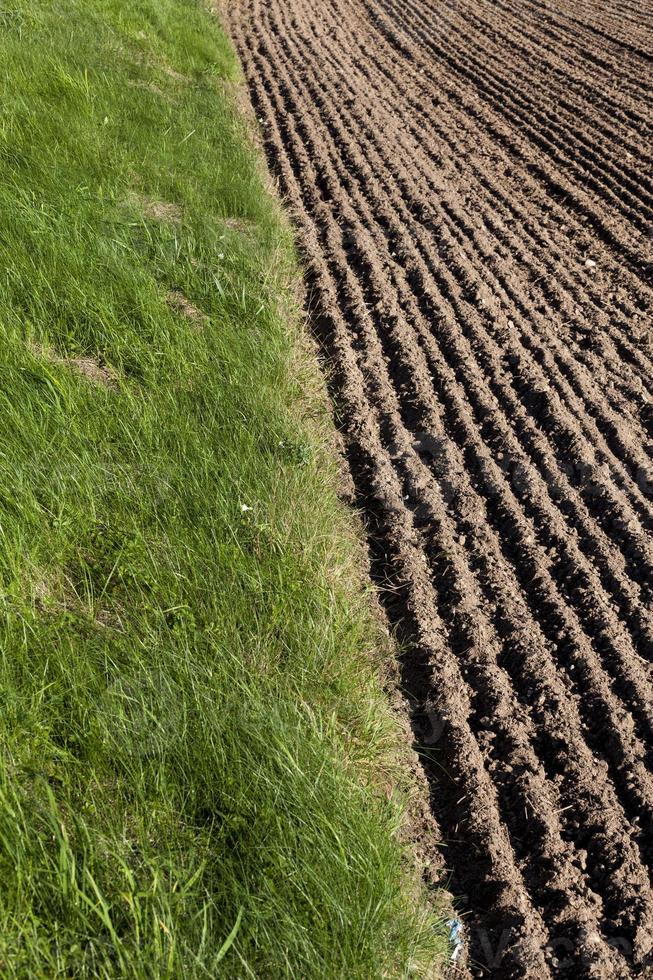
456,937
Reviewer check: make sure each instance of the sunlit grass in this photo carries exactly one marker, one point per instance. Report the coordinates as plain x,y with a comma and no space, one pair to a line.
191,726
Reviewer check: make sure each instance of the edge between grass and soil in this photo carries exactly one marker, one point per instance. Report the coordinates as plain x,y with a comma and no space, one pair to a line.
200,772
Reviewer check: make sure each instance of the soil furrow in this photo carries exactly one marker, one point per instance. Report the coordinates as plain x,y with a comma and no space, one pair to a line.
510,130
567,81
499,452
486,71
352,164
547,247
329,248
373,471
389,260
647,368
582,37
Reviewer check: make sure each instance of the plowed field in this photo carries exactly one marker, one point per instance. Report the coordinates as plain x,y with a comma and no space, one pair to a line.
472,184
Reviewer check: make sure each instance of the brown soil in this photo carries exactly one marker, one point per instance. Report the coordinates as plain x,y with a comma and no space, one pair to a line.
92,369
472,184
180,303
158,210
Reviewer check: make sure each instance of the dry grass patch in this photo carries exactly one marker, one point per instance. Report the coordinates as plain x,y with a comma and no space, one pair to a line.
92,368
180,303
156,209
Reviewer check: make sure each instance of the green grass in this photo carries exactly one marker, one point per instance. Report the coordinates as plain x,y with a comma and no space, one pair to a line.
193,739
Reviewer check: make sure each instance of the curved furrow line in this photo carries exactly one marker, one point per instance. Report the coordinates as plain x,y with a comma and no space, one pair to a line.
512,128
615,37
560,296
502,202
499,878
584,36
519,581
554,87
352,164
540,22
626,15
469,53
557,185
479,70
621,424
369,274
628,306
575,390
623,103
631,102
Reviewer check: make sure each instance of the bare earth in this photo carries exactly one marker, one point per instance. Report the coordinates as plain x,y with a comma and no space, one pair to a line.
472,183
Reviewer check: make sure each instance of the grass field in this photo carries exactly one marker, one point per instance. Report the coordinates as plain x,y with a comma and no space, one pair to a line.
194,742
